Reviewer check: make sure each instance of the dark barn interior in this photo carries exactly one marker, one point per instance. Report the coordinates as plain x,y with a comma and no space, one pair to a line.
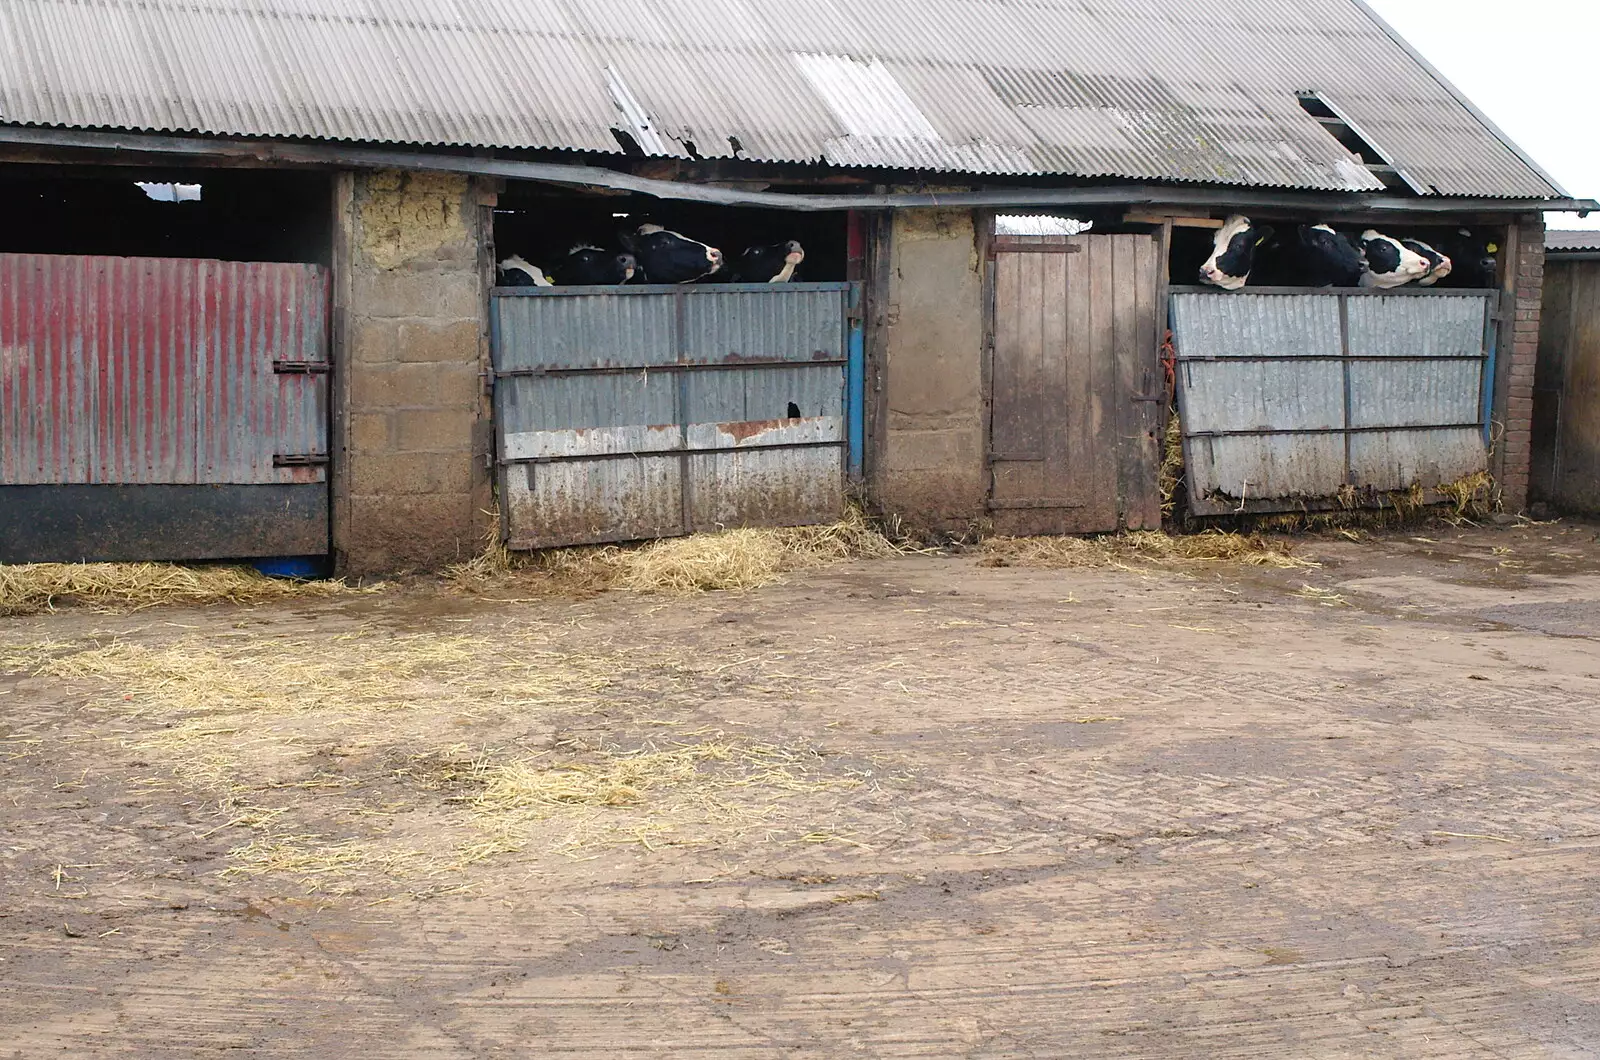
1192,246
241,215
541,223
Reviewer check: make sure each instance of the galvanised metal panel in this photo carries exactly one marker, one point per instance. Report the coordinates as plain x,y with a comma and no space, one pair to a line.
1290,400
726,326
1396,460
1440,324
1250,325
1183,90
637,412
586,328
1241,472
161,371
1244,395
1394,393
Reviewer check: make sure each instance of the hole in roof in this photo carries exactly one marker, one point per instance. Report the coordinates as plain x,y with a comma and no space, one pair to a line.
629,145
1333,121
161,192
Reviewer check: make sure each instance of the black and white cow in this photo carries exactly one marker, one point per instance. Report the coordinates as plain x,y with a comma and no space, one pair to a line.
1233,253
772,264
1325,258
590,265
1389,263
1439,265
668,257
516,271
1473,256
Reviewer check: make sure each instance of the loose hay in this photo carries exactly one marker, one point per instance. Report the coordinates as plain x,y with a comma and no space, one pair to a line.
30,588
1170,476
1141,547
687,793
295,738
729,559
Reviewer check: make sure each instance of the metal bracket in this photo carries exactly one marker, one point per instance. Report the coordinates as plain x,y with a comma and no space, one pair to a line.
299,459
301,367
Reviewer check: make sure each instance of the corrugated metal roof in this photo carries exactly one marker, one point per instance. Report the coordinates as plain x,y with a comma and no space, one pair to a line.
1573,242
1187,90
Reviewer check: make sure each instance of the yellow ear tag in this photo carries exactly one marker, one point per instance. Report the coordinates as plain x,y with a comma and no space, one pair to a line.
1493,248
1260,241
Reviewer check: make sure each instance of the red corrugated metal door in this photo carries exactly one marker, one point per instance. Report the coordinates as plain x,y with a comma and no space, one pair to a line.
162,408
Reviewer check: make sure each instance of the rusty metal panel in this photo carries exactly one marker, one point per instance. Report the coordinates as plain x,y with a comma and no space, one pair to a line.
161,371
648,411
1071,433
1292,400
1182,90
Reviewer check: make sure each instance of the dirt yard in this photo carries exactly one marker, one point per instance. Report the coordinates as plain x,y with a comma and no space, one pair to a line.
913,807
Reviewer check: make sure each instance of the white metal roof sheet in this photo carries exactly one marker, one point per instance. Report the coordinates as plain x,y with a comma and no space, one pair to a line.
1187,90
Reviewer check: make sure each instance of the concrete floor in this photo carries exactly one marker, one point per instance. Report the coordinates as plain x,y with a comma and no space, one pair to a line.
962,811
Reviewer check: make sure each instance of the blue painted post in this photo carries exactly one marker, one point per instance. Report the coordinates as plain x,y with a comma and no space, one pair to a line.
856,383
1488,385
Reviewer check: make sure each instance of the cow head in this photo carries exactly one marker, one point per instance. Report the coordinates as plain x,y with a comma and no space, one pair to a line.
1480,258
670,257
1233,253
517,271
771,264
1390,262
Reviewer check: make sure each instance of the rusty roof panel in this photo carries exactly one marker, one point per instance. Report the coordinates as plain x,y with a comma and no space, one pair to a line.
1182,90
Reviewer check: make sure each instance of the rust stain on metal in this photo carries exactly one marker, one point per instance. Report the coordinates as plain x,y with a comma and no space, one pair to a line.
744,430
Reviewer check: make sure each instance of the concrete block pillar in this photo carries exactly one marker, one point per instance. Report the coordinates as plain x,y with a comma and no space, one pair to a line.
411,276
929,469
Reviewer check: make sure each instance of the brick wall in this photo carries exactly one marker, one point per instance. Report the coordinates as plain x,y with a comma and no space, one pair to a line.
411,484
1525,280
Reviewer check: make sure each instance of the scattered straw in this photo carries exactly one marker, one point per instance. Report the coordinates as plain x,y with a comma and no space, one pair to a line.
728,559
1169,479
30,588
279,735
1325,597
709,790
731,559
1469,492
1140,547
318,864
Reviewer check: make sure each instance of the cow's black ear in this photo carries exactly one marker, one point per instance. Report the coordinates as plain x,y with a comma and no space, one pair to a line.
1263,233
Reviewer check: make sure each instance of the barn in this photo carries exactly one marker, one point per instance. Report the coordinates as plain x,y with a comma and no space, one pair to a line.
1566,395
250,303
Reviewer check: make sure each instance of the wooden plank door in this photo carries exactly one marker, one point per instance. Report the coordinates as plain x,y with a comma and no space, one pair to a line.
1075,390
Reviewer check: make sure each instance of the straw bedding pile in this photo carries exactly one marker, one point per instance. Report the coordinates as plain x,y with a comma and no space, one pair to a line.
29,588
726,560
1142,547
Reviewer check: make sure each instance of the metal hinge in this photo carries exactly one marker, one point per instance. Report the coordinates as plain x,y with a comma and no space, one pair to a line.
299,459
301,367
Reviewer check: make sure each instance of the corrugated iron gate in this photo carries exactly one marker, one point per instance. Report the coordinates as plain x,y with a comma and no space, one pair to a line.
626,413
1074,387
1296,399
162,408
